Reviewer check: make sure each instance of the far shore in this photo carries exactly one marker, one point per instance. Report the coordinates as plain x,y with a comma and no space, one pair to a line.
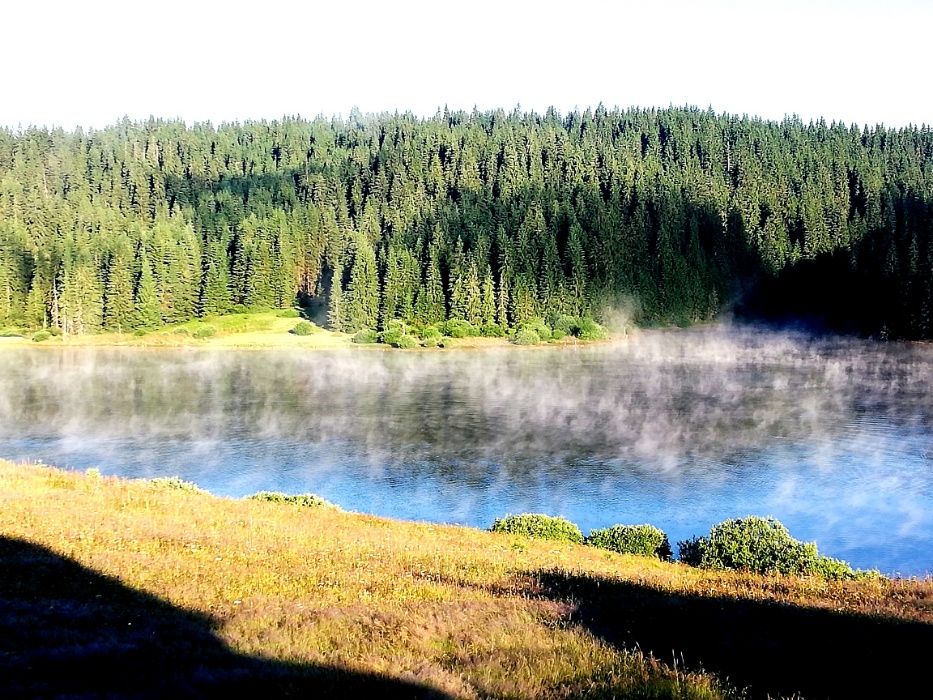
259,330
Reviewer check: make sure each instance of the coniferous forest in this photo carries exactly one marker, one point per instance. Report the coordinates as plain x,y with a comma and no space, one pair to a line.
674,215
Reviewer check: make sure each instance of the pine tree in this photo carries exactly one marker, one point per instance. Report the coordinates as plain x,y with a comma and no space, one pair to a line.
145,299
215,285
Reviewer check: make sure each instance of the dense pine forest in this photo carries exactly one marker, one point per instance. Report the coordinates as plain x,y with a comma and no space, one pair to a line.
674,215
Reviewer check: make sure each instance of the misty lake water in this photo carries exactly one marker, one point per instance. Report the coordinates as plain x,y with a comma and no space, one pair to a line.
681,429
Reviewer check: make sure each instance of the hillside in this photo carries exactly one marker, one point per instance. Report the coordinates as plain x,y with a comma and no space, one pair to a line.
495,218
120,586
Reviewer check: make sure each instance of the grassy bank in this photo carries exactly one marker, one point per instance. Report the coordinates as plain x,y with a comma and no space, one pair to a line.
116,585
256,329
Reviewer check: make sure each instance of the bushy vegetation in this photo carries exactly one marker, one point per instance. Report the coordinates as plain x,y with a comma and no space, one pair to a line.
41,336
526,336
646,540
204,332
539,526
306,500
458,328
302,328
760,545
366,336
177,484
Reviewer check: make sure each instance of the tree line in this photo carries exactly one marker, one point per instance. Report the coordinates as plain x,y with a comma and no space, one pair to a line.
489,217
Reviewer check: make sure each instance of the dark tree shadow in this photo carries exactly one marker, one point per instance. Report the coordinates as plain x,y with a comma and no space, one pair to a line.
771,649
67,631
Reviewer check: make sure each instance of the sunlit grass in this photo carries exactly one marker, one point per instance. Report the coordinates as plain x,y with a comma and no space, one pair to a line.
454,608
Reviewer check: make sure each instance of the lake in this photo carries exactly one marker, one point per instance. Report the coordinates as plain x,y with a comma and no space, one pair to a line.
680,428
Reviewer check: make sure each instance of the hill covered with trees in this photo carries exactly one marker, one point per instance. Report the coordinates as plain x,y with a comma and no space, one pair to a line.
494,218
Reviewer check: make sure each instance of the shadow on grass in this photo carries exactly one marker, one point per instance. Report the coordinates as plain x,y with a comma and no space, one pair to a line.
67,631
772,649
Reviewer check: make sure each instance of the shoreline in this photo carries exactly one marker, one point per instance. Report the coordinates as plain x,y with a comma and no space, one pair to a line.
465,612
267,331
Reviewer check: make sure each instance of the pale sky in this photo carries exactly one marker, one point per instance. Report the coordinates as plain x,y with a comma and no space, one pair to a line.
89,63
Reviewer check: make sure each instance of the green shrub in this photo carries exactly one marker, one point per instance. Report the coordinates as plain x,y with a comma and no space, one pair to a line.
41,336
203,332
836,569
538,326
406,342
239,309
367,336
540,526
588,329
431,331
392,336
54,330
302,328
173,482
566,324
140,332
761,545
492,330
526,336
645,540
287,313
458,328
433,341
690,551
181,331
558,335
307,500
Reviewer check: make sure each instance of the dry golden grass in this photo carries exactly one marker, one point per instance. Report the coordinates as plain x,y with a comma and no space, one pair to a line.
468,613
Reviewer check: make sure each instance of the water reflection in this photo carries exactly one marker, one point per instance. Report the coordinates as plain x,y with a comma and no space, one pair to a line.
681,429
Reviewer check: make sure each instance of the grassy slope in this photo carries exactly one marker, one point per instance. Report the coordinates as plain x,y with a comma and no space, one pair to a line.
250,330
325,600
262,329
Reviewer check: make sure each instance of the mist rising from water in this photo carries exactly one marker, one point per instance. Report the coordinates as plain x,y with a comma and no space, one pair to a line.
679,428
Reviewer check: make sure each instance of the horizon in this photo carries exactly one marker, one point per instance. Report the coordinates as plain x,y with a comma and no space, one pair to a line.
90,64
446,109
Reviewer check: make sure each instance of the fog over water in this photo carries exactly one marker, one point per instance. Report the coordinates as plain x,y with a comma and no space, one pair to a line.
678,428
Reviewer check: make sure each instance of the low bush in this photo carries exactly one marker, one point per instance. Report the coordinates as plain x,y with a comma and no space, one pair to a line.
406,342
537,325
458,328
764,546
140,332
204,332
558,335
307,500
366,336
645,540
393,333
566,324
431,336
526,336
492,330
174,482
430,331
41,336
539,526
54,330
302,328
588,329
